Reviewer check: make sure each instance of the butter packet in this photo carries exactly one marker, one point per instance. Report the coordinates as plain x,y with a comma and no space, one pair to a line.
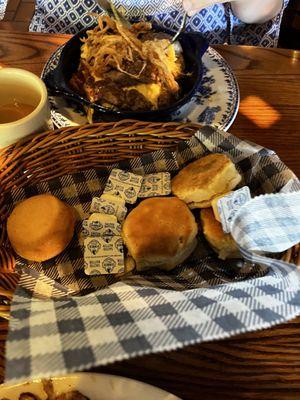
214,205
103,255
124,184
230,204
101,225
155,185
111,205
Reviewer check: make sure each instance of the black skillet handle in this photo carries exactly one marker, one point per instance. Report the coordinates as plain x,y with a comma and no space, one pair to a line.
197,43
56,86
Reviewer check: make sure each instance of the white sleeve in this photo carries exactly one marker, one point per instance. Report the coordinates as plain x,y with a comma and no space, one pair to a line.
256,11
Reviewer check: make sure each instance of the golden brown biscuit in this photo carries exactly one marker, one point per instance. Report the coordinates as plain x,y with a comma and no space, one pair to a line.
222,243
201,181
160,232
40,227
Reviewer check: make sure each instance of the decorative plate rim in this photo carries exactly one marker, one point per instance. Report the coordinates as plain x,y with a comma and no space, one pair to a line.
234,84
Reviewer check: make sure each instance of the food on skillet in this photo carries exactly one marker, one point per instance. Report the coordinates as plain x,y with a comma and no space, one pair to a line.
128,69
160,233
40,227
202,180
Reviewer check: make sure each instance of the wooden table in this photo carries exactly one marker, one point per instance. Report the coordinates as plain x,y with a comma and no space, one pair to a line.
261,365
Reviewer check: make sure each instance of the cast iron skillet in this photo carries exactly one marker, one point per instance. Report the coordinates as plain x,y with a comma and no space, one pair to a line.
57,81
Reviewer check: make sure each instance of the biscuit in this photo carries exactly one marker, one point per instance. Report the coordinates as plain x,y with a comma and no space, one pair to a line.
222,243
40,227
201,181
160,232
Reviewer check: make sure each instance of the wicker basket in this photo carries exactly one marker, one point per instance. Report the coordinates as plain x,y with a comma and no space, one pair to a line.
67,150
64,151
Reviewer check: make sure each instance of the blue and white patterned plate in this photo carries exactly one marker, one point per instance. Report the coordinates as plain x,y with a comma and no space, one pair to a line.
216,103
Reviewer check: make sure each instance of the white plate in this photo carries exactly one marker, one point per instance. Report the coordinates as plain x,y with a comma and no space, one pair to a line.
216,103
93,386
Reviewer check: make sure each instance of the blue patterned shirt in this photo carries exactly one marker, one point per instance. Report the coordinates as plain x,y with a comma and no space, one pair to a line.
217,23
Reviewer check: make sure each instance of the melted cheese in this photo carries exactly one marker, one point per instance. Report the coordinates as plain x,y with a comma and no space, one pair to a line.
151,91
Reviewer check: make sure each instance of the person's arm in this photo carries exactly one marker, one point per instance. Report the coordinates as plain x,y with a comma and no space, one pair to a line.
256,11
248,11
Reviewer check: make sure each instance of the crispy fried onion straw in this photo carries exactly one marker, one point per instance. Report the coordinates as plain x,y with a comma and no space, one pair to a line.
111,45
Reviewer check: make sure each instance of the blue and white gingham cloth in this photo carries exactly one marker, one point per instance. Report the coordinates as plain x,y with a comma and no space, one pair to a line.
57,328
268,223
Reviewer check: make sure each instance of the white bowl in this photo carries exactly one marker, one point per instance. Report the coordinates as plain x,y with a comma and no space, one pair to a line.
24,87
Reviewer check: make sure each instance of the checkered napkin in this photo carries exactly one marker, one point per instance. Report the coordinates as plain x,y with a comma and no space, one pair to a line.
64,321
269,223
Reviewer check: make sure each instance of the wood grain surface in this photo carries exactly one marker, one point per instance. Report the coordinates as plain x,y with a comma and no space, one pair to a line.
262,365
